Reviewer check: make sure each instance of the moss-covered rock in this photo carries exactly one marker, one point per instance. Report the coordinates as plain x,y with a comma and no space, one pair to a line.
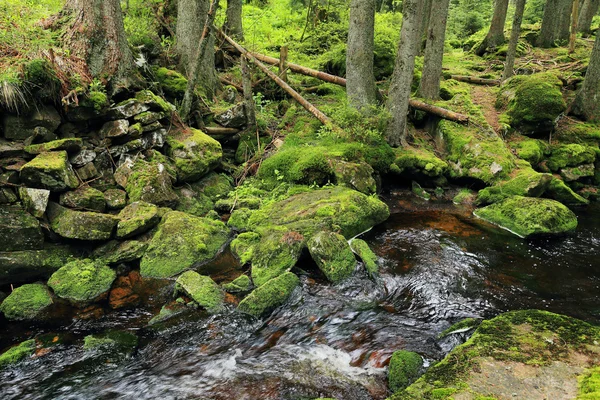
82,281
116,252
81,225
576,173
26,266
276,253
364,252
413,161
26,302
85,198
112,341
404,368
240,284
71,145
194,153
201,289
115,199
527,183
153,102
137,218
532,150
570,155
148,181
50,171
181,242
526,216
193,203
149,118
171,82
19,230
357,176
214,186
465,197
559,191
461,326
35,201
333,255
243,246
419,191
17,353
269,296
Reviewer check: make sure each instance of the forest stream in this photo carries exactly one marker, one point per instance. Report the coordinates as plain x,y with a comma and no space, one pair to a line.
438,265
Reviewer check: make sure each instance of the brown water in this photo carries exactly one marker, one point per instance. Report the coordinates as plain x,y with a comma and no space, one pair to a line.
438,265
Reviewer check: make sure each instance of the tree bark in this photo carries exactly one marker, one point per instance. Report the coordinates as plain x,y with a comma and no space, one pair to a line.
475,80
588,10
495,36
514,40
249,104
233,20
587,102
574,17
425,23
402,77
434,51
97,35
190,17
360,76
555,23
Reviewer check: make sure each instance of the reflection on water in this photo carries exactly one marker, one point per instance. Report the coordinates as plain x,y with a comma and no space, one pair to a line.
438,265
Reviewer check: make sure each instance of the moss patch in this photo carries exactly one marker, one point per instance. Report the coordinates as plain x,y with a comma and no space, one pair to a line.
270,295
404,368
26,302
418,161
137,218
333,255
369,259
50,171
82,281
527,183
202,289
240,284
570,155
17,353
195,154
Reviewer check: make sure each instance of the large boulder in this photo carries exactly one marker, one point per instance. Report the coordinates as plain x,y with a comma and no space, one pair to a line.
181,242
50,171
333,255
82,281
202,290
27,265
194,153
234,117
26,302
20,127
527,216
276,253
116,252
137,218
81,225
19,230
527,183
570,155
269,296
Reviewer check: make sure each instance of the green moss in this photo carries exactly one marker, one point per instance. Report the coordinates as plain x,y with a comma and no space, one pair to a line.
248,147
69,144
155,102
526,216
243,246
137,218
50,171
276,253
531,150
418,161
198,205
333,255
97,100
121,341
214,186
589,385
81,225
202,289
115,198
17,353
181,242
527,183
150,182
172,82
467,323
404,368
369,259
270,295
464,196
82,281
86,198
194,154
240,284
570,155
26,302
559,191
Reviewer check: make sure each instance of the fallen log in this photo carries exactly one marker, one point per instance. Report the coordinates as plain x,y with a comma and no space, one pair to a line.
229,83
216,130
439,112
475,80
308,106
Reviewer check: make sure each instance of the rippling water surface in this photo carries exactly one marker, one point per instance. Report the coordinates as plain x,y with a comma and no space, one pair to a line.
438,265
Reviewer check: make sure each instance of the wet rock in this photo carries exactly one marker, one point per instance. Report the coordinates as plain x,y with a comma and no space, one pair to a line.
137,218
127,109
404,369
22,126
115,252
364,252
9,178
147,181
115,199
202,290
559,191
333,255
182,241
81,225
7,196
114,129
40,135
26,302
275,254
69,145
17,353
527,183
104,165
419,191
84,198
124,292
172,82
357,176
11,149
149,117
169,311
527,216
82,158
577,173
50,171
135,131
35,201
269,296
87,172
71,129
113,341
19,230
195,154
82,281
240,284
28,265
234,117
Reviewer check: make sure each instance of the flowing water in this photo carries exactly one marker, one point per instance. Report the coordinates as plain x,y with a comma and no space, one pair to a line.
438,265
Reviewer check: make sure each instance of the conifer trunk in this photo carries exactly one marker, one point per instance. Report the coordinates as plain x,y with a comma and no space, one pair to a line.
555,23
361,89
514,40
402,77
434,50
588,10
495,36
587,102
233,20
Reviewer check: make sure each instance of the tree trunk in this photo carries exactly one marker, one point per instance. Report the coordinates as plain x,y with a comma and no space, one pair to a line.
425,23
434,51
588,10
565,20
574,17
191,15
587,102
514,40
361,89
233,20
495,36
555,23
399,92
249,105
98,36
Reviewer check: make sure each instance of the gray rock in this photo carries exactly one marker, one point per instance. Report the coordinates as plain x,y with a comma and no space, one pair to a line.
129,147
7,196
576,173
20,127
81,225
149,117
28,265
35,201
50,171
9,178
235,117
152,127
10,149
87,172
127,109
155,139
114,129
82,158
115,252
115,199
41,135
71,145
72,129
19,230
84,198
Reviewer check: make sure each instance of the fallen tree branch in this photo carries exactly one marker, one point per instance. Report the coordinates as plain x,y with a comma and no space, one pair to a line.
215,130
439,111
475,80
229,83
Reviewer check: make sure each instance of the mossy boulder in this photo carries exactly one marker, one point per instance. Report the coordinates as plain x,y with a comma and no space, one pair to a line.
276,253
193,203
240,284
404,368
333,255
527,183
194,153
116,252
112,341
81,225
153,102
181,242
533,102
576,173
202,290
82,281
85,198
357,176
70,145
269,296
172,82
26,302
50,171
28,265
243,246
115,199
412,161
137,218
150,181
559,191
364,252
214,186
19,230
570,155
35,201
17,353
527,216
531,150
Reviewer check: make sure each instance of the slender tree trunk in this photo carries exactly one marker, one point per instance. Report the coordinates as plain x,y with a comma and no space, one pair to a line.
555,23
233,20
574,17
249,105
565,21
434,51
588,10
400,87
361,89
514,40
191,15
587,102
425,22
98,36
495,36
